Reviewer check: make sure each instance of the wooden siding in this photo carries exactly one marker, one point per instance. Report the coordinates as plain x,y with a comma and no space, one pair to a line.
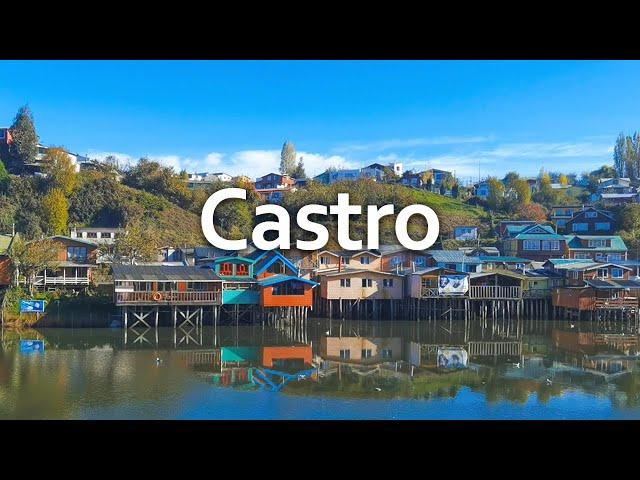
5,270
268,299
330,287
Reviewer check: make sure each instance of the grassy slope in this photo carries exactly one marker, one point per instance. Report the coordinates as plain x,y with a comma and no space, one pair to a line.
175,225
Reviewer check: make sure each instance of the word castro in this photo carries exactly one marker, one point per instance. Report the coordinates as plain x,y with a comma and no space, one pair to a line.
343,209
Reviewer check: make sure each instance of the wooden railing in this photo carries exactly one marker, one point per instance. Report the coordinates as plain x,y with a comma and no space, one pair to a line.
492,292
71,280
626,302
167,297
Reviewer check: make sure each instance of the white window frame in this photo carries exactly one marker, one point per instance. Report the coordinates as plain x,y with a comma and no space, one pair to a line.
585,229
601,271
615,270
527,244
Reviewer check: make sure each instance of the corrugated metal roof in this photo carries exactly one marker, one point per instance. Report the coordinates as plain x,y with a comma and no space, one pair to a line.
487,258
146,273
452,256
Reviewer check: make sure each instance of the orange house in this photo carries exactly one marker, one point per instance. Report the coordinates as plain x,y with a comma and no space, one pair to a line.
301,353
286,291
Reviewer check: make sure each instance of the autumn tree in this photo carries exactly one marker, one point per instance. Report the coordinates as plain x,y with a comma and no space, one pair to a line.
287,158
523,191
532,211
496,193
24,147
31,258
55,208
60,170
139,243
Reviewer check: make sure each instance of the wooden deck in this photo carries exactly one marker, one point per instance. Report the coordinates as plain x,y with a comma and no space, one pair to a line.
168,298
482,292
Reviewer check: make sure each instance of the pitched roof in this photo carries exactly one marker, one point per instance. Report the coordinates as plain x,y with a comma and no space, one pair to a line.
145,273
452,256
275,279
613,284
617,244
352,271
538,232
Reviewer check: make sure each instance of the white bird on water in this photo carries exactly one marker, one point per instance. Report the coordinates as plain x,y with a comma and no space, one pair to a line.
378,389
549,382
572,325
517,365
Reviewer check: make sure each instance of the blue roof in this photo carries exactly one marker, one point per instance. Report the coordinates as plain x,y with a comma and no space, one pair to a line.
275,279
488,258
264,261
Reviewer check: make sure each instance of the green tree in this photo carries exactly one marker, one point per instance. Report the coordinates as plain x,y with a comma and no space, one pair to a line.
7,214
287,158
60,169
56,211
24,147
4,178
31,258
298,172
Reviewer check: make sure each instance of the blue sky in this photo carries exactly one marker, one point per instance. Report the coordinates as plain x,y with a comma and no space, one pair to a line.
234,115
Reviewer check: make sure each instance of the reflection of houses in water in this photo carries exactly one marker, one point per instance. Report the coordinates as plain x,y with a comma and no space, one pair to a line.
361,349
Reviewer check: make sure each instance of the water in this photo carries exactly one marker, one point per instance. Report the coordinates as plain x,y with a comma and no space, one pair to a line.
560,371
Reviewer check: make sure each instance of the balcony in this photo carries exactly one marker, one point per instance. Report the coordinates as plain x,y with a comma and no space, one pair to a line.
491,292
42,281
168,298
616,303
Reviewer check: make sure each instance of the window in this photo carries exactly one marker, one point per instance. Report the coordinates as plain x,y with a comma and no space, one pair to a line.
92,234
616,273
580,227
420,261
226,269
288,288
603,273
550,245
590,214
345,282
581,255
614,256
76,254
387,282
531,245
367,282
195,286
142,286
344,260
600,226
242,270
561,223
364,260
601,257
450,266
469,268
575,274
596,243
345,354
396,261
366,353
386,353
324,261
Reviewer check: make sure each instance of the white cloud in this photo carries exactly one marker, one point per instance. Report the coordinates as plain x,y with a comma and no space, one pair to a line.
253,163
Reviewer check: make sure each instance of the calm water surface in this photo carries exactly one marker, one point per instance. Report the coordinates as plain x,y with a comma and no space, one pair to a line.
558,371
